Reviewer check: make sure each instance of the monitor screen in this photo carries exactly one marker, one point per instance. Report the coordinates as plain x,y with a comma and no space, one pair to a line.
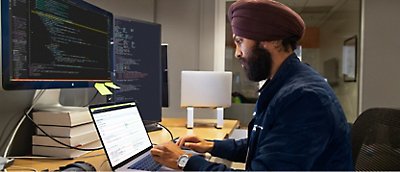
137,66
55,44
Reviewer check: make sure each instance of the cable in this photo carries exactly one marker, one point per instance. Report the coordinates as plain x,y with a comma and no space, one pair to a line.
91,156
101,165
41,157
20,168
9,122
35,99
91,100
13,136
54,158
172,137
151,122
52,138
26,115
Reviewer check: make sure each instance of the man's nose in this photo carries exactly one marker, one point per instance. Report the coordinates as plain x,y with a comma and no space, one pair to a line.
238,53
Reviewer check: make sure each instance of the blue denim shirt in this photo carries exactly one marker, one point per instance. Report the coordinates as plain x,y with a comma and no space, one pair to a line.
298,125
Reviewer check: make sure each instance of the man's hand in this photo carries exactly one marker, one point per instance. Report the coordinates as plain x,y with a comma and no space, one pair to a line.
167,154
195,143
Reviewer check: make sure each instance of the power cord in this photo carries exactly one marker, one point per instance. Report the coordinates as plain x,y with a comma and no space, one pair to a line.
34,101
26,115
170,133
52,138
4,161
155,122
22,168
9,122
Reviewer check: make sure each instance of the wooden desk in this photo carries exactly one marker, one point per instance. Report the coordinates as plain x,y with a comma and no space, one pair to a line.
203,128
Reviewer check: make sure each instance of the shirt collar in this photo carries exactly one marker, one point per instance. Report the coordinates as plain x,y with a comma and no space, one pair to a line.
282,71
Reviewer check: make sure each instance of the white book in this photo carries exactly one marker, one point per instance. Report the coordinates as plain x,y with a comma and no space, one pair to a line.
63,131
63,152
79,140
62,118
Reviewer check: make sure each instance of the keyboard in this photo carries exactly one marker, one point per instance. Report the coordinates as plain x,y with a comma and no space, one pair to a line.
147,164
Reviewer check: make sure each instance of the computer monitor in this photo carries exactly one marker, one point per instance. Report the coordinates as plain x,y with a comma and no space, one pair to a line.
164,76
55,44
137,66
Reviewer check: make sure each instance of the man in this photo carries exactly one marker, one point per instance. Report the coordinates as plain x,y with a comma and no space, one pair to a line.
298,122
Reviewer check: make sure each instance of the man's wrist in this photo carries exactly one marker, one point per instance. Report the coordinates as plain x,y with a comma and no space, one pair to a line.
210,146
182,160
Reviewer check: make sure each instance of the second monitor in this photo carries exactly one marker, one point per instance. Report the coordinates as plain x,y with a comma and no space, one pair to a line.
137,66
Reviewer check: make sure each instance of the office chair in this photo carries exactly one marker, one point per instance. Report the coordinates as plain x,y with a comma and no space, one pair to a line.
376,140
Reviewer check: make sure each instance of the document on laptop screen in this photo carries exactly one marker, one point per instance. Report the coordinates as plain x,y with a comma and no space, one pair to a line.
122,132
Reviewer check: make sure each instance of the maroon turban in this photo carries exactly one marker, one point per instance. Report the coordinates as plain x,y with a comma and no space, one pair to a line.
265,20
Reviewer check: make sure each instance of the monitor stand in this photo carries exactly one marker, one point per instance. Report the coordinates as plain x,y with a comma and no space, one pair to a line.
50,101
152,127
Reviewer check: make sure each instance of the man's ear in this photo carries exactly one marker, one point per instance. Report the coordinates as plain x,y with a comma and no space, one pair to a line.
272,45
277,44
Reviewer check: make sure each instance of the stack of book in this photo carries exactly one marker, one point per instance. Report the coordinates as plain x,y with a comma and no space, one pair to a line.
74,128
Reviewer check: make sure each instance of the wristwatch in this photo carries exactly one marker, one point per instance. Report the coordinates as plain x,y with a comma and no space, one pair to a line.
182,161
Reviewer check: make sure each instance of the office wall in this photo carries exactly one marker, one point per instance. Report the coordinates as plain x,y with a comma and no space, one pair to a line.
380,83
12,106
342,24
138,9
180,20
191,29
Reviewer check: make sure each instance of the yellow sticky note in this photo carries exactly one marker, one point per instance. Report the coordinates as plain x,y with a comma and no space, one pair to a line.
102,89
111,85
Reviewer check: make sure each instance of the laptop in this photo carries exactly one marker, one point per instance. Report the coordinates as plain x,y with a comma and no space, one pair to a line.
206,89
124,137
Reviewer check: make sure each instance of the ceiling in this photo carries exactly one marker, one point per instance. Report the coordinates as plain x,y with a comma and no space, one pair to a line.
314,12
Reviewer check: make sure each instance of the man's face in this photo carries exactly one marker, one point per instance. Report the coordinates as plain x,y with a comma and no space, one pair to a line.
255,60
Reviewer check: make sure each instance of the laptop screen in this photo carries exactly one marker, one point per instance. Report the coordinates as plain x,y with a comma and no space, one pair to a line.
121,130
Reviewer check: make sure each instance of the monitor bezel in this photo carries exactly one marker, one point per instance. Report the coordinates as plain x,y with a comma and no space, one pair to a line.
8,84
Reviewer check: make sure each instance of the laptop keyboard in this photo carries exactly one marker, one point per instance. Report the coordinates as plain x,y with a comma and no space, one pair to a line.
147,163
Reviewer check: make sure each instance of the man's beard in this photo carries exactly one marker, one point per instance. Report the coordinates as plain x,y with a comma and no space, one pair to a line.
258,64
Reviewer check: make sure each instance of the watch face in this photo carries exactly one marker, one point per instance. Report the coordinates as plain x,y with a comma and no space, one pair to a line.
183,160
